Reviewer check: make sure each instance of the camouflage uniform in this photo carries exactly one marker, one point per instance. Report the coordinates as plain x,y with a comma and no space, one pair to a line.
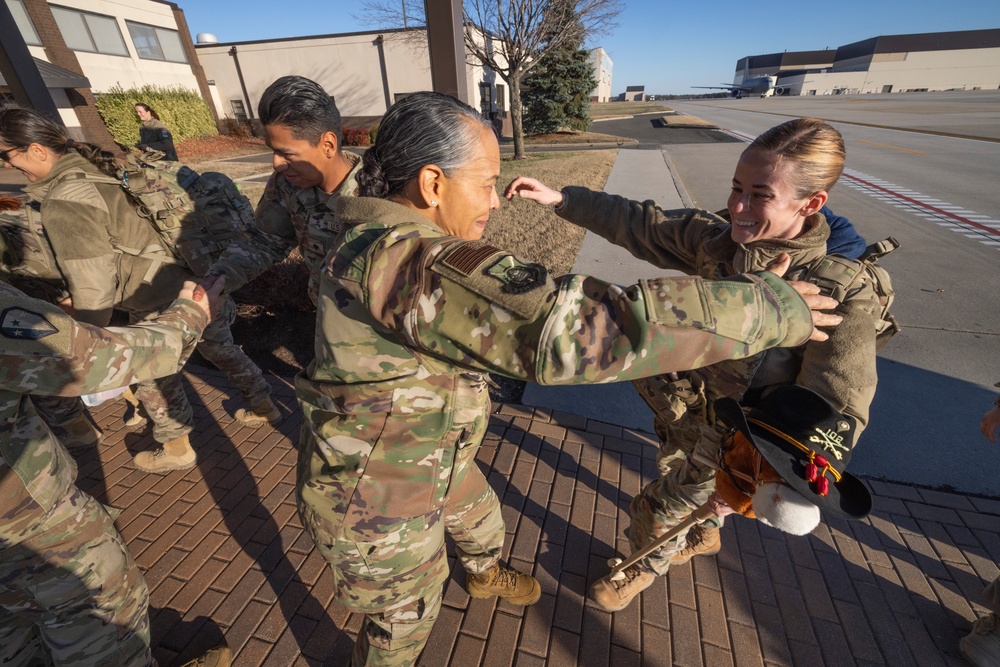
395,404
288,216
85,222
66,578
842,369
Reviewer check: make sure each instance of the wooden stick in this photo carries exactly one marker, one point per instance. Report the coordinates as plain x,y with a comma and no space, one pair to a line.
618,565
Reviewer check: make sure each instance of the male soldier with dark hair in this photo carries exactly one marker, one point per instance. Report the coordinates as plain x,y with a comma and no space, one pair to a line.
68,586
302,126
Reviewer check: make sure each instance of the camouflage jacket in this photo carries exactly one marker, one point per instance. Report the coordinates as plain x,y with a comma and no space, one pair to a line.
697,242
409,319
288,216
84,222
46,352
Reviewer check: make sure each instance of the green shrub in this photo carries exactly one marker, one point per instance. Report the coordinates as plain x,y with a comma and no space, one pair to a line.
183,111
373,133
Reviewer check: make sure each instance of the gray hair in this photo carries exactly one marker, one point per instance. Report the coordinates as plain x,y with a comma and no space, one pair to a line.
421,129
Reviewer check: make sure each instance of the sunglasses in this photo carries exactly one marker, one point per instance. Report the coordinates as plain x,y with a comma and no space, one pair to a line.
5,155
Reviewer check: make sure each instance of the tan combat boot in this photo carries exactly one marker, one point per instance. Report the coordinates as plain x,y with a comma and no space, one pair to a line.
174,455
264,412
507,584
614,595
220,656
138,417
80,433
981,647
701,541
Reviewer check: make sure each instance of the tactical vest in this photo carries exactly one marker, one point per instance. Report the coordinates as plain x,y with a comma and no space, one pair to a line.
28,260
196,217
837,276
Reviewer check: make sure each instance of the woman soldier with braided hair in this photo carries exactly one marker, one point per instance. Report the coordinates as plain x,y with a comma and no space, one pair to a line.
109,257
414,310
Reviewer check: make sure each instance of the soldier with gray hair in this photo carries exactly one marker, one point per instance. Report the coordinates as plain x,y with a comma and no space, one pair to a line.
70,592
414,311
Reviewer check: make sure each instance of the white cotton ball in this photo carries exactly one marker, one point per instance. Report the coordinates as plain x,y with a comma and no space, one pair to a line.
784,508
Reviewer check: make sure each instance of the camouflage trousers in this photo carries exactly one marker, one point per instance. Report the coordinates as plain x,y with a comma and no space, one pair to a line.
164,399
72,591
396,635
683,486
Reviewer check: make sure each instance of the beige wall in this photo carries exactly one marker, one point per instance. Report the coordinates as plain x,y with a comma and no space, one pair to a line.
347,66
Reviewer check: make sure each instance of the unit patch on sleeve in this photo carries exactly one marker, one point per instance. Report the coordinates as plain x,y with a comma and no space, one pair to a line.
496,275
517,277
25,324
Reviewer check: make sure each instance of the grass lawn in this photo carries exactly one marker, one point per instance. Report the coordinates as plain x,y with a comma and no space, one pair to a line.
608,109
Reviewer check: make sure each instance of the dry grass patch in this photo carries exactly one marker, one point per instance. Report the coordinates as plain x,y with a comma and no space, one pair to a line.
578,138
534,232
609,109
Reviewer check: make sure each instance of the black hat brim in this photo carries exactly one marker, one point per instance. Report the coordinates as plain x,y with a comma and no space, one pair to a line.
849,498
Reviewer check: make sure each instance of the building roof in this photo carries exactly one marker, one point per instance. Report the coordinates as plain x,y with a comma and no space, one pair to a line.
927,41
56,77
634,89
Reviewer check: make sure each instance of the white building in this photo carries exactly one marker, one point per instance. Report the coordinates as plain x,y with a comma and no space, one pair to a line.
365,72
602,73
96,44
959,60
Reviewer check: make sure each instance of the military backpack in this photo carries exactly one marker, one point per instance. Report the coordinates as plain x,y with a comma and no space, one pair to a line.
837,276
196,216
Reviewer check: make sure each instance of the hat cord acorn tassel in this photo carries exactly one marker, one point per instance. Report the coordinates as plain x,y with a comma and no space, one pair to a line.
815,473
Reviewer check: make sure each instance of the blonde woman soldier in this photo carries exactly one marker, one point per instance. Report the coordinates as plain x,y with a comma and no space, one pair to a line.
781,183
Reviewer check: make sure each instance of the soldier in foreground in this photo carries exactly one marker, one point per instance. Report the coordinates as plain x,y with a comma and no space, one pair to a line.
414,310
67,581
302,126
112,258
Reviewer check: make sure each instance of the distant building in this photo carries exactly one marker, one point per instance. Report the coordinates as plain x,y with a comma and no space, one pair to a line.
602,73
84,47
633,94
958,60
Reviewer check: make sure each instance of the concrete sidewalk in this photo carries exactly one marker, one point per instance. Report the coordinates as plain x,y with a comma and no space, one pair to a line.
639,175
226,557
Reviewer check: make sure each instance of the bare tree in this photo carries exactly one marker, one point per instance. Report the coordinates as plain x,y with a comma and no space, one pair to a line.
510,36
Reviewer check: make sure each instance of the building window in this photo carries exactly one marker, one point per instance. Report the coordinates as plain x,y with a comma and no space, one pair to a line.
155,43
239,111
23,22
94,33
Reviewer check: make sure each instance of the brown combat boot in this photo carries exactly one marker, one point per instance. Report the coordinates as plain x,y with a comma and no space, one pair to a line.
220,656
264,412
174,455
135,416
507,584
701,541
981,647
80,434
615,595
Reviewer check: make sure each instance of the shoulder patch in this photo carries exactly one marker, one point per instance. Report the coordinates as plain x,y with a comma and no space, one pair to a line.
503,279
78,191
25,324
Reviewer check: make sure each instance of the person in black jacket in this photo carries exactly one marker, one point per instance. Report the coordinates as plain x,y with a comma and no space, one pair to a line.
153,134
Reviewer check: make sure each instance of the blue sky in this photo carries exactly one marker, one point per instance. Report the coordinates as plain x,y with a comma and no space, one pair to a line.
666,46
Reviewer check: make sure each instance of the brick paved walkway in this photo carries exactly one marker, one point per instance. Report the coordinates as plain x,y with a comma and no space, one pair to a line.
225,556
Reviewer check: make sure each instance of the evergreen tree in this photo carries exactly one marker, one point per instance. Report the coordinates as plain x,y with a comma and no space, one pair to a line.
557,90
